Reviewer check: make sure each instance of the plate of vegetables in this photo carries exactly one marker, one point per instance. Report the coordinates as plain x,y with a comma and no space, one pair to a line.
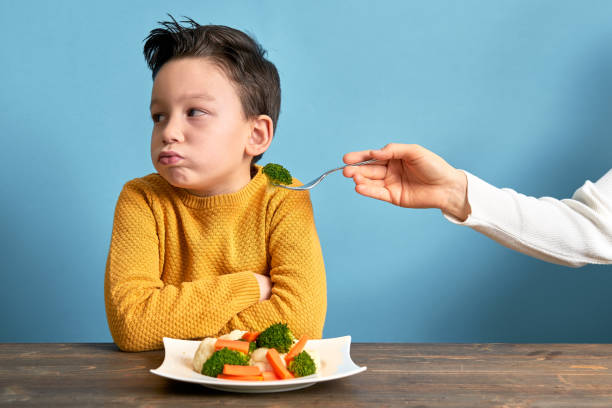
256,362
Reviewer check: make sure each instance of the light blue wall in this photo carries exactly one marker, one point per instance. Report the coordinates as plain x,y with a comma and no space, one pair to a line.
517,92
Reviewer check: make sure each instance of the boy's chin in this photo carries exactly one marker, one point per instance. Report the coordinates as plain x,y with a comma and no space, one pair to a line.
202,186
179,182
192,188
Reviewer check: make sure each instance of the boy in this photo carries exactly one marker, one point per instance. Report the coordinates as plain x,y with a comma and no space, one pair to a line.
206,245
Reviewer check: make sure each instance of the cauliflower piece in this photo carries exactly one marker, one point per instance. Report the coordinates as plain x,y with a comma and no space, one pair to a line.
205,350
259,359
233,335
259,354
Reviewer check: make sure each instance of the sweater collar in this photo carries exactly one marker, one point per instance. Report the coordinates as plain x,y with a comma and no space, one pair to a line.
234,199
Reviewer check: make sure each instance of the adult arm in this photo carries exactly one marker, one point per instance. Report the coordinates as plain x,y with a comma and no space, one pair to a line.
571,232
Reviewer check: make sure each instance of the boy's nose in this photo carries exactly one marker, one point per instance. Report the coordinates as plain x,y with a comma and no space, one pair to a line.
170,138
172,134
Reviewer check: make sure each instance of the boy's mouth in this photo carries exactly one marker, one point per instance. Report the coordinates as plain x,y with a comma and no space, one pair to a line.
169,157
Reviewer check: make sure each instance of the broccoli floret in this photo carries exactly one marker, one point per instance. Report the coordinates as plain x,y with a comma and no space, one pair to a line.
302,365
277,174
277,336
214,365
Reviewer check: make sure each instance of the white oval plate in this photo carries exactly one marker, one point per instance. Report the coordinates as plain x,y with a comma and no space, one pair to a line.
335,363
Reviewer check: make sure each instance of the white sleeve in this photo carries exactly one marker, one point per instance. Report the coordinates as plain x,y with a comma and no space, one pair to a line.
570,232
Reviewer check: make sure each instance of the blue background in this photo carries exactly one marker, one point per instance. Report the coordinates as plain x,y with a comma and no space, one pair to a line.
517,92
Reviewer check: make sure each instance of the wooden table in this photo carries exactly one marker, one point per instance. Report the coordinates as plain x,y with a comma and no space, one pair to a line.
412,375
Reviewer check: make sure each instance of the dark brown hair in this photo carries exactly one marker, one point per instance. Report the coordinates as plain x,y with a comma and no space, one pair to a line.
240,56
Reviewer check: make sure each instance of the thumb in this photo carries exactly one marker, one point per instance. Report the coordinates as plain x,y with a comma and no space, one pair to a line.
382,154
398,151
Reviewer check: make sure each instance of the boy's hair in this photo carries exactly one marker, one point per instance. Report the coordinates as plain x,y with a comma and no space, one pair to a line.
240,56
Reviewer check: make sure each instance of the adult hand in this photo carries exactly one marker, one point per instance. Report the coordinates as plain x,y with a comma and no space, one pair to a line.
265,286
410,176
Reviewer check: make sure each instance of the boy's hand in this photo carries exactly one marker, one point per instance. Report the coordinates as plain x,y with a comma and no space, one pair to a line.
410,176
265,286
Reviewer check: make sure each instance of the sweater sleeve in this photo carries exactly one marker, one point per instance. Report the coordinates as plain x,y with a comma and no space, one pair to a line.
571,232
141,309
297,273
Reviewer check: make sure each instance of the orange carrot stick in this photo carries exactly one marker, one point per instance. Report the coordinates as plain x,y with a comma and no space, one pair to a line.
277,365
270,376
241,377
296,349
250,336
237,345
229,369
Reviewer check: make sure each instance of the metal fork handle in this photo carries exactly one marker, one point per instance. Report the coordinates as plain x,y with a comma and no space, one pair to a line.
313,183
347,165
336,169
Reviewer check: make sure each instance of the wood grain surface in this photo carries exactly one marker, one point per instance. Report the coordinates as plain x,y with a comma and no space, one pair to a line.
411,375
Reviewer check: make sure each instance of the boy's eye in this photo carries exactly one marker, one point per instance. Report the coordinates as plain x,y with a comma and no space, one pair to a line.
157,117
195,112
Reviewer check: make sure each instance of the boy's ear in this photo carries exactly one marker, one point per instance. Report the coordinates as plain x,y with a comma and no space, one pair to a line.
262,132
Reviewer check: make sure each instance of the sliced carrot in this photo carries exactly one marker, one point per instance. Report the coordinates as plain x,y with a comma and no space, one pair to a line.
229,369
277,365
270,376
296,349
237,345
250,336
241,377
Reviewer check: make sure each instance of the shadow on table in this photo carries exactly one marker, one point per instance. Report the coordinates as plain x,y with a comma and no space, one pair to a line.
342,386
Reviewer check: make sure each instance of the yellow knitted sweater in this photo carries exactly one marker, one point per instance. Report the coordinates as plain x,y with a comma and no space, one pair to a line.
182,266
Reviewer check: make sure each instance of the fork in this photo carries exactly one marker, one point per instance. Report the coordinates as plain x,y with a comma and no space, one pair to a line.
316,181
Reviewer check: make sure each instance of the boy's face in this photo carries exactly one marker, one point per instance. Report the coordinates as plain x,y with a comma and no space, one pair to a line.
200,130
